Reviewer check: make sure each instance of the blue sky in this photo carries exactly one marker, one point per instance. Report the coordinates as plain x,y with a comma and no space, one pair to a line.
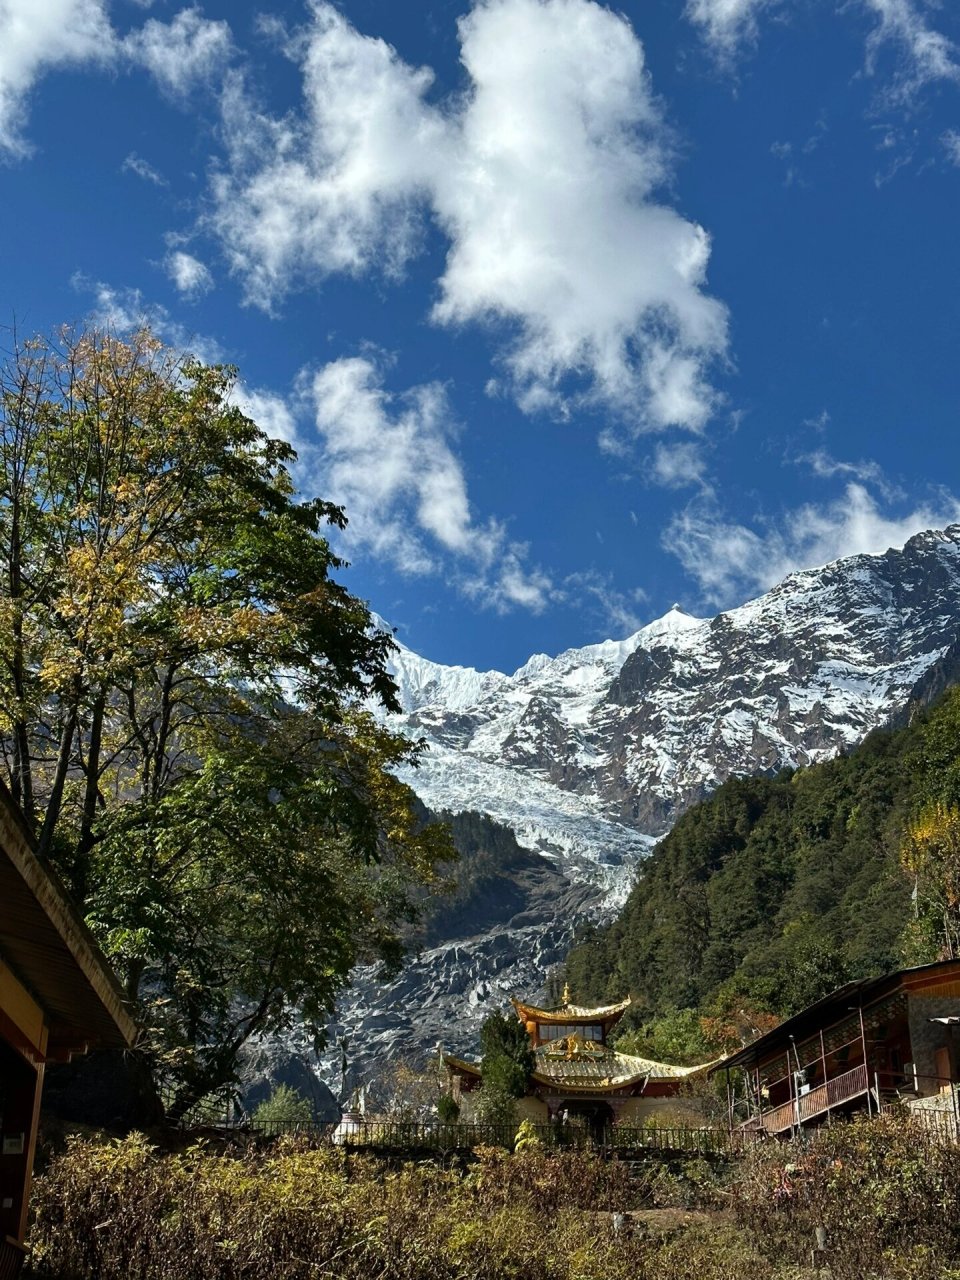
580,311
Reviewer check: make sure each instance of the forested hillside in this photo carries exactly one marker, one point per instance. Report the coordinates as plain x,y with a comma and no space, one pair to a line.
774,891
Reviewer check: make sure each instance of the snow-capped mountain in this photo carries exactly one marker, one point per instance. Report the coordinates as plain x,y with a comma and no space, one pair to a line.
589,756
582,753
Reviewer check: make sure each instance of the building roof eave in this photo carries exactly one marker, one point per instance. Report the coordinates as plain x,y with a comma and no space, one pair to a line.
574,1013
461,1064
861,991
50,950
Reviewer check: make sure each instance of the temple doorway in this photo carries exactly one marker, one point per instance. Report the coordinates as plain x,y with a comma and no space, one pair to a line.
591,1114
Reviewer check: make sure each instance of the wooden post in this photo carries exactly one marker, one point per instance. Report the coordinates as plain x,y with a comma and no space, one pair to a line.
866,1067
823,1063
794,1111
21,1116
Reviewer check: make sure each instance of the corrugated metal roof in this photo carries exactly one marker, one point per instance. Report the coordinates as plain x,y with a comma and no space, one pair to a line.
846,999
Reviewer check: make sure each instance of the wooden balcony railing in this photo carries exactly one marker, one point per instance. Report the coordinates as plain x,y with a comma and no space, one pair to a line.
826,1096
12,1254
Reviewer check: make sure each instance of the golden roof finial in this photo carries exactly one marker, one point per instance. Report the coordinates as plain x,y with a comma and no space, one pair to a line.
566,993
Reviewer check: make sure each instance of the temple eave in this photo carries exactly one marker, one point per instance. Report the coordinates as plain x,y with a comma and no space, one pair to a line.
568,1084
570,1012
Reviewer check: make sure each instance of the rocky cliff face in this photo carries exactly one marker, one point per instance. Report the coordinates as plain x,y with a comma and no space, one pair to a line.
588,757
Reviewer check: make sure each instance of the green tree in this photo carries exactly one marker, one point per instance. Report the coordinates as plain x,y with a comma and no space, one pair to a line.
931,856
285,1107
676,1036
506,1064
183,693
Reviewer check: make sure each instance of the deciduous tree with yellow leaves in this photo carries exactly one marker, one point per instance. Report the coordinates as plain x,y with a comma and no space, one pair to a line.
931,855
184,688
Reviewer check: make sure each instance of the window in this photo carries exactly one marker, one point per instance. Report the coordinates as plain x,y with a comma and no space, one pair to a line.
560,1030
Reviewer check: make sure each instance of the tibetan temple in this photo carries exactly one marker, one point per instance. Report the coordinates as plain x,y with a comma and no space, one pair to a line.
577,1073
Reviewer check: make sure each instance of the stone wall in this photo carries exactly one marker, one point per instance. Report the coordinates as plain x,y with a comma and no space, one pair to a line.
926,1037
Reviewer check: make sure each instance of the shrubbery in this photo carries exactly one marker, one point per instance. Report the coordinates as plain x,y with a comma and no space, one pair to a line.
885,1191
284,1109
886,1196
127,1212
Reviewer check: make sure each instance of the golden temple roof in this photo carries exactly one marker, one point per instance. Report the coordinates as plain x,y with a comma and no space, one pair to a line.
584,1065
574,1063
571,1012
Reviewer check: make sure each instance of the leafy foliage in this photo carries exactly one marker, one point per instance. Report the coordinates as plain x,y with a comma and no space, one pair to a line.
284,1107
884,1192
182,691
125,1212
931,854
506,1063
507,1058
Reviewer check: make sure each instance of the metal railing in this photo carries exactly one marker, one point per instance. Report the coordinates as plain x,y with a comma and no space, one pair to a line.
620,1140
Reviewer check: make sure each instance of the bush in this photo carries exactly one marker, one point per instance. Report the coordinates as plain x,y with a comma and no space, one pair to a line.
284,1108
297,1210
887,1196
447,1109
885,1190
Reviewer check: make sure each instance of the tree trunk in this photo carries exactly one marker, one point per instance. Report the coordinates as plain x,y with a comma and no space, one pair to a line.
91,793
55,802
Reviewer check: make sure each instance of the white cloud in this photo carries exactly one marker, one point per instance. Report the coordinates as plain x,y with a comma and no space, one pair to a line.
123,310
388,460
925,55
281,417
37,36
189,50
189,275
951,143
620,612
675,466
726,24
143,169
730,561
543,177
823,464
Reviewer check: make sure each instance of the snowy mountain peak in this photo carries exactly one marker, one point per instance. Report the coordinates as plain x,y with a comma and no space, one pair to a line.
637,729
590,755
674,622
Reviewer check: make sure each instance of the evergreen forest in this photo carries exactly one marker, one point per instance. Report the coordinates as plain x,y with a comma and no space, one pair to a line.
775,891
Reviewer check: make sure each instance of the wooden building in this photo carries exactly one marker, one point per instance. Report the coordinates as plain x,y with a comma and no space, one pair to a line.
577,1074
869,1042
57,998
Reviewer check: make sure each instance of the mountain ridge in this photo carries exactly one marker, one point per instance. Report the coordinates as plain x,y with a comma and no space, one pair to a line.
588,758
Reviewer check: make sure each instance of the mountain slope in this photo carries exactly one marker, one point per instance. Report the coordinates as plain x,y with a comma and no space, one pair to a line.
589,757
775,891
622,736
